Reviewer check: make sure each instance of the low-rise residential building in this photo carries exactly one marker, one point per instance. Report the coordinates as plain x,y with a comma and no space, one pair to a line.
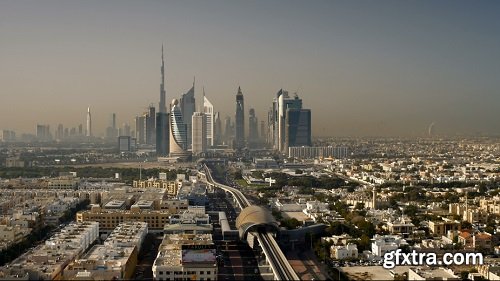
386,243
10,235
186,256
338,239
480,240
115,259
47,261
192,221
400,226
65,182
171,186
110,219
341,252
442,227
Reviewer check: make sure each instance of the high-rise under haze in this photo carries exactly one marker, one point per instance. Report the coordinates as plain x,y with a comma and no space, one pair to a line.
140,130
208,109
151,125
228,131
162,108
199,131
239,138
112,130
297,128
162,128
89,123
217,129
43,132
277,116
178,137
253,127
187,104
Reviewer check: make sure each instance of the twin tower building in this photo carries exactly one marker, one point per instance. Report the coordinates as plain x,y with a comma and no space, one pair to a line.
182,131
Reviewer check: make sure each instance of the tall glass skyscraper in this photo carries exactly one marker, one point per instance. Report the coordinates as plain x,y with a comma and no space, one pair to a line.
178,132
162,129
199,122
208,109
294,128
253,127
151,125
298,128
239,140
187,104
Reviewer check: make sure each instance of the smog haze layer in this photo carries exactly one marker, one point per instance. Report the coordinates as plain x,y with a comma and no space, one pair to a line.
379,68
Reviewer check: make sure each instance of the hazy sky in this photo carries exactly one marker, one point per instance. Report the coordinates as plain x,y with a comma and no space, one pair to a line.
362,67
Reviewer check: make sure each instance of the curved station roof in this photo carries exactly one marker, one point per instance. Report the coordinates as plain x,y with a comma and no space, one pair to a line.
254,218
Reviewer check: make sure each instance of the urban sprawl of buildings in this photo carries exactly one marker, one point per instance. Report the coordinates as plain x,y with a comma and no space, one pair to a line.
158,212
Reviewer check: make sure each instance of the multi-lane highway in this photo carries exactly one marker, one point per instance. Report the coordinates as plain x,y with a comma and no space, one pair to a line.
279,264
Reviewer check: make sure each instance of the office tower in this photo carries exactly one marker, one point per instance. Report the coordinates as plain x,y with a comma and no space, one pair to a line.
7,135
150,119
253,132
113,121
125,130
199,131
124,143
217,129
297,128
66,132
72,132
89,123
178,131
43,132
208,109
140,129
239,138
162,134
111,130
187,104
80,130
162,128
60,132
277,115
263,133
228,131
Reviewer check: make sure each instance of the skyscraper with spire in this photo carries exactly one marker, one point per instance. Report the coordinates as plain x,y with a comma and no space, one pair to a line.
239,137
162,127
89,123
162,108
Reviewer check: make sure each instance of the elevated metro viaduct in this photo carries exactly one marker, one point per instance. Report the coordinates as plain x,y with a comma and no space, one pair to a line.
254,219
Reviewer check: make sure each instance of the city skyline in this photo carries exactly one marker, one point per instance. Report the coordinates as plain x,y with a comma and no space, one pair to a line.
385,68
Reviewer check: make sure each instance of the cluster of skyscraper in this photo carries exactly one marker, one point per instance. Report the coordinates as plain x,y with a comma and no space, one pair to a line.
289,124
180,130
183,131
